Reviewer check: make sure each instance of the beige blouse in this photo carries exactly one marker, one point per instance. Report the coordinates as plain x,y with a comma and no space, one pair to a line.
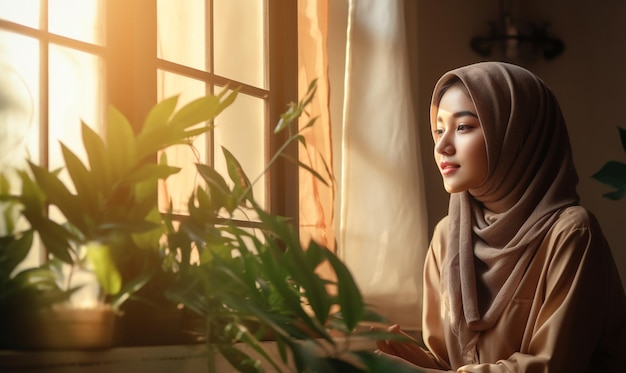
567,315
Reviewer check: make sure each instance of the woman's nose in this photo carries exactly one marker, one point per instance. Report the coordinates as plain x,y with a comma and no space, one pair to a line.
444,145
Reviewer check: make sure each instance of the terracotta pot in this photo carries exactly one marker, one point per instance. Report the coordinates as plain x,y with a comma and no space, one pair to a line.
62,328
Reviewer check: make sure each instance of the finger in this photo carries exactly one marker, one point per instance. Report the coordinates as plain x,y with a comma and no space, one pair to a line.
385,346
395,328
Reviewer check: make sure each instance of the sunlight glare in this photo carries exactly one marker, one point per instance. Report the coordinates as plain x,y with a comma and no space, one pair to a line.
77,19
24,12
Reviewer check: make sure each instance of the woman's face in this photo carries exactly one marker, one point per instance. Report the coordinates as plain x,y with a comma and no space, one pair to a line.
460,150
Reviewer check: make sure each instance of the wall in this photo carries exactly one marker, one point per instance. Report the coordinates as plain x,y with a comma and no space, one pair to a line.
587,78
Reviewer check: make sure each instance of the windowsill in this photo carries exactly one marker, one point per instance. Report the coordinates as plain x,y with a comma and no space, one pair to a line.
153,359
181,358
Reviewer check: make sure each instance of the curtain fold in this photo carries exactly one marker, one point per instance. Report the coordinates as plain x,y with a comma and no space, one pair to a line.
316,199
383,225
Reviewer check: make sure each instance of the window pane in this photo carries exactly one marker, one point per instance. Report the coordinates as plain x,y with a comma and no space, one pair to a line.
240,129
178,187
181,32
19,97
75,94
19,114
77,19
25,12
240,40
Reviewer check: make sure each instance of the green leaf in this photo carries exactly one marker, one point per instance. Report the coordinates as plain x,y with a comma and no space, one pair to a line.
307,358
310,123
189,134
315,255
292,265
239,360
32,288
203,210
380,363
348,293
9,207
227,97
58,194
218,190
160,114
32,196
615,195
252,342
130,287
202,109
622,136
310,93
613,174
121,145
100,258
197,111
295,110
315,174
273,272
289,116
243,187
55,238
13,252
5,186
35,276
149,240
98,158
295,260
149,172
83,180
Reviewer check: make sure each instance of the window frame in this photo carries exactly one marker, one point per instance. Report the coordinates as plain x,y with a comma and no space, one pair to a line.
131,81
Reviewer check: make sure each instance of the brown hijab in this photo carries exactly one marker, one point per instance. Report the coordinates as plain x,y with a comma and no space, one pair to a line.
530,169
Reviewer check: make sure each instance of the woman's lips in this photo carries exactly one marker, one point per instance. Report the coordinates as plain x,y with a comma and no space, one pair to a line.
448,168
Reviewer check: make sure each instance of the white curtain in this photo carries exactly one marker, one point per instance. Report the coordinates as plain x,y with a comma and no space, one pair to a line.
383,226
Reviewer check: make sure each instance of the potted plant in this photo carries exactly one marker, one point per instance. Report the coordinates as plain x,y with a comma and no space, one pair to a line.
613,173
260,282
251,283
111,225
33,288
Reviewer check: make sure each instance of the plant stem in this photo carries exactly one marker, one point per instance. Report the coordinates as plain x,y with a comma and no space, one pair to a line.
291,139
211,351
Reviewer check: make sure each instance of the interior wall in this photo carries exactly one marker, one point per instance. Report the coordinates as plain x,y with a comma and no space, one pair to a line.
587,78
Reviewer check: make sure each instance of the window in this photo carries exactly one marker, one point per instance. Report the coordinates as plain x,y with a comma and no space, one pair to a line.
53,64
64,61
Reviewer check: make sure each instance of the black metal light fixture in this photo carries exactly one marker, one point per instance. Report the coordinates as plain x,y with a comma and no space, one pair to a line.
504,37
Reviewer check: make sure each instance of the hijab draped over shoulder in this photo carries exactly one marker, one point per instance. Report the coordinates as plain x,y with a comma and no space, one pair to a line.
530,170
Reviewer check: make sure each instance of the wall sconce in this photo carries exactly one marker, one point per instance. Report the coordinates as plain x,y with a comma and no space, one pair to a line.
512,44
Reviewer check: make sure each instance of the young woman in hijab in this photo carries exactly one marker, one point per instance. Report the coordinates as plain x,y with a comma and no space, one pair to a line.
518,276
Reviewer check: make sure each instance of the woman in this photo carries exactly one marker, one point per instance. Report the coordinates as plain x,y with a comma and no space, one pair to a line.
518,277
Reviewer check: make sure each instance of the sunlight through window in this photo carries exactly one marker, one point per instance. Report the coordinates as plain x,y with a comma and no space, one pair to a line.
49,83
237,51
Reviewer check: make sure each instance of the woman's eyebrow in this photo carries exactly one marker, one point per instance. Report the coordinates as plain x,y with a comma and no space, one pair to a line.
465,113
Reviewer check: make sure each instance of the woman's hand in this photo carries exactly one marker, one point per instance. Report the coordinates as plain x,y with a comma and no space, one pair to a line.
407,350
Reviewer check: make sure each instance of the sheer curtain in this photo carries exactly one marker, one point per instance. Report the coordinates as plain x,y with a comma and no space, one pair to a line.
383,227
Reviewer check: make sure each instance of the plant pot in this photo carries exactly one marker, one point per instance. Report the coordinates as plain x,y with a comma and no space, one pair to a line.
61,328
146,325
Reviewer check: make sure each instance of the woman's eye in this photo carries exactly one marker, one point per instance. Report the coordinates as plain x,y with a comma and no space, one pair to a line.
462,127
